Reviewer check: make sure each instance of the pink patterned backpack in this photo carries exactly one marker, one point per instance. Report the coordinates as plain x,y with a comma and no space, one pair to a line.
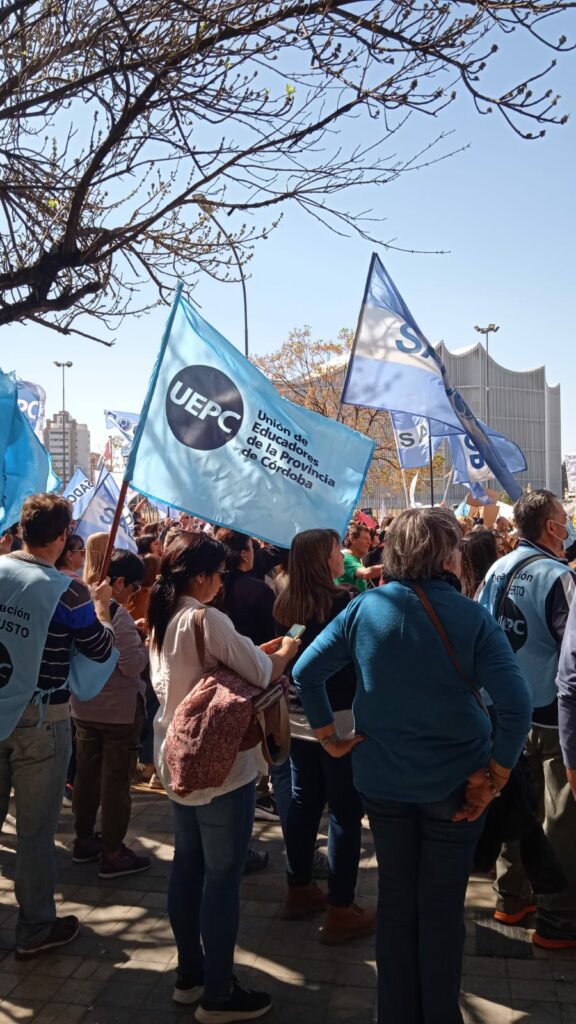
222,715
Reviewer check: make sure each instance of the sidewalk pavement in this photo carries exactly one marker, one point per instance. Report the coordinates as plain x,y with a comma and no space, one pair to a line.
121,968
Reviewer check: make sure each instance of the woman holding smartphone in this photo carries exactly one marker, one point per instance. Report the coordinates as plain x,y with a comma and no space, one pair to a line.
311,599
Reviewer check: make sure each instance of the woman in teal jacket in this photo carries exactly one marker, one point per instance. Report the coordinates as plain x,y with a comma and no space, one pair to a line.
425,760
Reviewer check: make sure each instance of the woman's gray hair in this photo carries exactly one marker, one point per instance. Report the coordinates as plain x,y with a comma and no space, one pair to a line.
419,541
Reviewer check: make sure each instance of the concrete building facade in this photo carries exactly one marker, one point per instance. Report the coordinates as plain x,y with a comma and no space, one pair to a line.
68,443
522,406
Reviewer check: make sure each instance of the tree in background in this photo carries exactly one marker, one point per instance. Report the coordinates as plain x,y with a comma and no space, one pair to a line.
147,140
311,373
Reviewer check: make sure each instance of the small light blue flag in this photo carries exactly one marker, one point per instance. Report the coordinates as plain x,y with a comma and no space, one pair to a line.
26,465
124,422
394,367
412,440
471,468
79,492
99,513
216,439
32,402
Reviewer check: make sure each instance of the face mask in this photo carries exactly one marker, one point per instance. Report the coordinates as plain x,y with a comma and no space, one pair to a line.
570,533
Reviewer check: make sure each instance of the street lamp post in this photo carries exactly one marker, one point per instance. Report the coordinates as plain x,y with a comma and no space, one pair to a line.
487,331
64,366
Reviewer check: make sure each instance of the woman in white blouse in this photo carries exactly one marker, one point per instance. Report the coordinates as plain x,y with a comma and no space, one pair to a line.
212,827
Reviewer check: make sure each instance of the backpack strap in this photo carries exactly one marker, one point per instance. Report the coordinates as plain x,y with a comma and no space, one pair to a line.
471,684
198,620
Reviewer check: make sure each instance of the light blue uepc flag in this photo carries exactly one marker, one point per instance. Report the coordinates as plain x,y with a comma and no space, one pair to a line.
216,439
25,465
394,367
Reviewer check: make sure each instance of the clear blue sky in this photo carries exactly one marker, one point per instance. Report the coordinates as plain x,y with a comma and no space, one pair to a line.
505,209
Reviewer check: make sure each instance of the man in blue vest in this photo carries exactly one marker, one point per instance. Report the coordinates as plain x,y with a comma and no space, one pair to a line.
50,629
530,591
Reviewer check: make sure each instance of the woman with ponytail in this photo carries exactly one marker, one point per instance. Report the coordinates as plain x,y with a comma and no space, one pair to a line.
212,826
312,599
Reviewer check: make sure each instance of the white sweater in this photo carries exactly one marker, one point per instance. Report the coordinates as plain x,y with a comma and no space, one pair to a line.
177,669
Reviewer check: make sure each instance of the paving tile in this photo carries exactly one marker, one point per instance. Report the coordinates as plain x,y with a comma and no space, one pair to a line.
80,993
59,1013
7,983
534,1012
18,1010
479,1010
351,998
538,989
33,987
565,991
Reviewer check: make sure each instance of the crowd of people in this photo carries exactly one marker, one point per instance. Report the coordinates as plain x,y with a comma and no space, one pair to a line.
426,664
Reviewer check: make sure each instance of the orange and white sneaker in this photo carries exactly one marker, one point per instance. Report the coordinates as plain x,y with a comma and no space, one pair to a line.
516,918
547,938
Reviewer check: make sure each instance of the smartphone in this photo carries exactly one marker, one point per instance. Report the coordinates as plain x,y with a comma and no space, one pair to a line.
296,631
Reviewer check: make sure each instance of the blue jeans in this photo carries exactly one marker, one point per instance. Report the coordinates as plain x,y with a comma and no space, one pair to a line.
34,759
210,847
318,779
424,860
281,777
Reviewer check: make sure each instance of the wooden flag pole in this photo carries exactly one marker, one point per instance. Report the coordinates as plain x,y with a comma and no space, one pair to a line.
113,531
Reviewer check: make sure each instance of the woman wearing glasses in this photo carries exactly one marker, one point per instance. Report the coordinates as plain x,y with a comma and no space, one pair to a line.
71,561
212,827
108,732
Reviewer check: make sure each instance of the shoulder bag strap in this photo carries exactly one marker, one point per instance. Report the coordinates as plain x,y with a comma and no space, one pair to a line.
447,644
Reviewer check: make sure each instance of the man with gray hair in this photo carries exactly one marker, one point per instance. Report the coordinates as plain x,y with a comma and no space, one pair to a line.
529,591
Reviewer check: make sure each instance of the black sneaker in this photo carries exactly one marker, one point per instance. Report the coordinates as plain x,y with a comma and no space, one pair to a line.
124,863
188,988
64,930
266,809
255,861
242,1005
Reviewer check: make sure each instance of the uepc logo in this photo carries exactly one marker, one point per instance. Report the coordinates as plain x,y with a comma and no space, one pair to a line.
204,407
514,624
5,666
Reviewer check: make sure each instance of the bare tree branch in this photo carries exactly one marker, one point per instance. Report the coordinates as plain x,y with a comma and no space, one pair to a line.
130,128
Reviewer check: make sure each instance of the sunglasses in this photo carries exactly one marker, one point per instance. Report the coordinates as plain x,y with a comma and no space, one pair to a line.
223,573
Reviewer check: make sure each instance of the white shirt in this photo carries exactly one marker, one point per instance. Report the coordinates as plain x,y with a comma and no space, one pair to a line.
176,669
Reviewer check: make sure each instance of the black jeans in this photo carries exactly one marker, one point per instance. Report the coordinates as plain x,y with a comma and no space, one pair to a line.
318,779
424,860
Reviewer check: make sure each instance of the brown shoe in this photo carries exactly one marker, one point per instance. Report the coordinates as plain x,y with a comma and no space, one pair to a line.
343,924
302,900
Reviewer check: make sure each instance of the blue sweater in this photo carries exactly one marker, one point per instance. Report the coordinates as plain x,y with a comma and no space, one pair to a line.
425,732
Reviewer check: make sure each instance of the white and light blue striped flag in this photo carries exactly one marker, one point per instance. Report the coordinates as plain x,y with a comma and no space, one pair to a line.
413,441
217,440
394,367
79,492
99,512
471,468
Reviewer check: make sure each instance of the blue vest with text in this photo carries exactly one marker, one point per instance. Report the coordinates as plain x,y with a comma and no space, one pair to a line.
522,616
29,593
